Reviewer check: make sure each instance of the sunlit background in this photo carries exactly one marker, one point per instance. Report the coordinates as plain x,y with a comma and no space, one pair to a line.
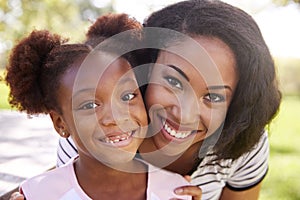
279,24
279,21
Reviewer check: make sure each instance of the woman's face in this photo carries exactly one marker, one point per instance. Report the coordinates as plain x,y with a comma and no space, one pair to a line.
103,109
188,94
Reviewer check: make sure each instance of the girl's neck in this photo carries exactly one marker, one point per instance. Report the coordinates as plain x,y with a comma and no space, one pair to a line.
100,181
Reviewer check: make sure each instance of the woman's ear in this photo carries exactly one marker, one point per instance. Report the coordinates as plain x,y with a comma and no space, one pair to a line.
59,124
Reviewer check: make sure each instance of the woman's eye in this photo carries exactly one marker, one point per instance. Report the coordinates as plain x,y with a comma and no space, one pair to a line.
174,82
215,98
87,106
128,96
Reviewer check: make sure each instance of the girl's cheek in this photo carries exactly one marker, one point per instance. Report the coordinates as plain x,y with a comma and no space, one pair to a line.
86,124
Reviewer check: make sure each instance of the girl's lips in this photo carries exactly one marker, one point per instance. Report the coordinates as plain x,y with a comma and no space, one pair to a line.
118,139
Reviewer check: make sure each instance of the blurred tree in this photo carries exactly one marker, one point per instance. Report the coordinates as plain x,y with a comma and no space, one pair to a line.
65,17
285,2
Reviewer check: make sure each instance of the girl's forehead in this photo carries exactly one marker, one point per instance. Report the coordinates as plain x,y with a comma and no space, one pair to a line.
97,63
102,69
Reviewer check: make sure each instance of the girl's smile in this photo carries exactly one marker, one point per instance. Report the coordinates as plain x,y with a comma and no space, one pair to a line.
116,137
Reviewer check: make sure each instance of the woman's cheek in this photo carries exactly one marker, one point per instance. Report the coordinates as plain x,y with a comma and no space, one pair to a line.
214,119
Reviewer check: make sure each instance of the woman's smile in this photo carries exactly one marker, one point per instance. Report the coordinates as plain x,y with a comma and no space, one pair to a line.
177,133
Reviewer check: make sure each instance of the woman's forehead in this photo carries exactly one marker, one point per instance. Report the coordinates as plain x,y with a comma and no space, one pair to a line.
211,59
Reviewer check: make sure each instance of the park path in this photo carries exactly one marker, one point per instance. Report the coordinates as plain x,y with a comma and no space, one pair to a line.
27,147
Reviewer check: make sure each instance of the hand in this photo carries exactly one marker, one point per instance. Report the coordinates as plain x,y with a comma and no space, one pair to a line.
17,196
193,191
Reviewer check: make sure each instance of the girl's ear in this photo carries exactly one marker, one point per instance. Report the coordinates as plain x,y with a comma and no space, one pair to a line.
59,124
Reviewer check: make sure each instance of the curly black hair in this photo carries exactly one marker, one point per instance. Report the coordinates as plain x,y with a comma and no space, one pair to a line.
39,60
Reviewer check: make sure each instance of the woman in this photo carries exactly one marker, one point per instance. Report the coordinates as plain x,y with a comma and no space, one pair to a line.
228,152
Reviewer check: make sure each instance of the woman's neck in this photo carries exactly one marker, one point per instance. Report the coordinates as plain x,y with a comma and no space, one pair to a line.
181,163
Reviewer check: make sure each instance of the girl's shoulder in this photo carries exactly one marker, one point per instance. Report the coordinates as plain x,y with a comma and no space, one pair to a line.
58,183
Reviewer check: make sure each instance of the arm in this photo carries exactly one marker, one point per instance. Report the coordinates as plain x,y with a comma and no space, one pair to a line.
190,190
249,194
193,191
16,196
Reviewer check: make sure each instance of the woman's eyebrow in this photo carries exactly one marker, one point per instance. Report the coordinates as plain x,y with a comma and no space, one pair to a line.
218,87
179,71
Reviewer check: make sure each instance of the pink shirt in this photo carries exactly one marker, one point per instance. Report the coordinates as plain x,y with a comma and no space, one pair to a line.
61,184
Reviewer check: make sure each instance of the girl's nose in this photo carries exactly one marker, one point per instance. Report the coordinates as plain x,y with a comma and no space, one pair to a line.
112,115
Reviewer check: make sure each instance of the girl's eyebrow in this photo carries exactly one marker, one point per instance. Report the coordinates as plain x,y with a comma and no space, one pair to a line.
218,87
127,79
86,90
179,71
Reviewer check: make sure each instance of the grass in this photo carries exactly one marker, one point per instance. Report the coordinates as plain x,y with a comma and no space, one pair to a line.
283,179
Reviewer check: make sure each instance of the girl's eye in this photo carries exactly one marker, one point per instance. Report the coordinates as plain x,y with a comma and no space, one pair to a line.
214,98
128,96
174,82
89,105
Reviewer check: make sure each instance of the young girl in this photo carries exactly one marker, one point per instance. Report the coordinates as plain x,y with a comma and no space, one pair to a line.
93,97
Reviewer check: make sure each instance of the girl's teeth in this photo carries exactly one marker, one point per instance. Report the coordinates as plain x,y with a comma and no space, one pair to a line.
117,139
175,134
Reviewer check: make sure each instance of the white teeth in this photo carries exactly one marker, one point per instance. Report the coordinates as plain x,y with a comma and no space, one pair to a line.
117,138
173,133
169,130
176,134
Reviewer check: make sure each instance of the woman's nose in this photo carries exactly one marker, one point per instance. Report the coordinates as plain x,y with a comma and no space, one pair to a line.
187,110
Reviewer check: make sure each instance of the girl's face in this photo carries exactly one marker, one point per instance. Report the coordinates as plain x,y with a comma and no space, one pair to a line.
188,94
103,109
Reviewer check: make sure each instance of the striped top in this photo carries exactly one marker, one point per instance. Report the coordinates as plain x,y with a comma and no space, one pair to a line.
241,174
211,176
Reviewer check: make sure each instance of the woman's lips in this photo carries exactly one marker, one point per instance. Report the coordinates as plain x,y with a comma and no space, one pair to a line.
173,133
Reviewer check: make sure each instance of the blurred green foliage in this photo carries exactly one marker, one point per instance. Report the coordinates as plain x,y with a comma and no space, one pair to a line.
285,2
283,179
4,90
67,18
289,75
